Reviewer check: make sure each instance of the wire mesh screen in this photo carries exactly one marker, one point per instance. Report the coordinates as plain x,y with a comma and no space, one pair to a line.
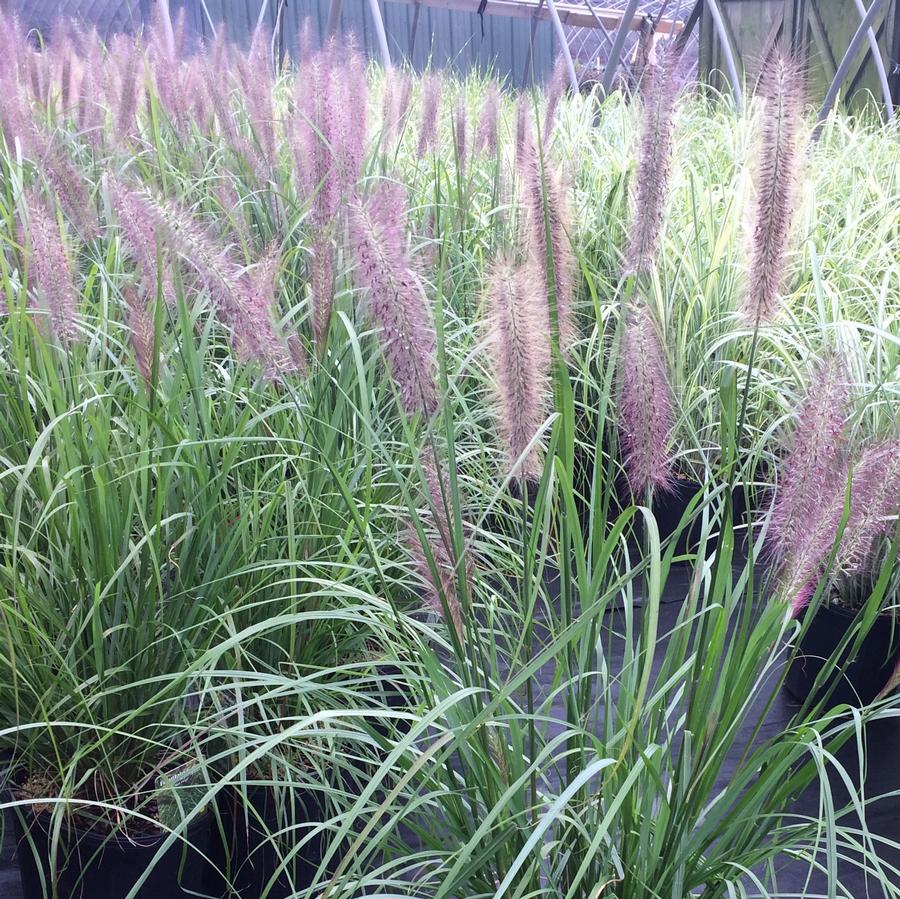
445,38
518,50
591,47
107,16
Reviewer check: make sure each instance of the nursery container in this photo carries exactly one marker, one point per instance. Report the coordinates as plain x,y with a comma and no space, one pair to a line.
95,865
395,693
247,855
243,851
864,675
668,508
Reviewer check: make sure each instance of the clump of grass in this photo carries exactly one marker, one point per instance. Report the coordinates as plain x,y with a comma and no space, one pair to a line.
215,563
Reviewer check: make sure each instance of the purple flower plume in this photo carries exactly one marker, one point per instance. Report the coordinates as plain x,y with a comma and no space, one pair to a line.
49,271
802,598
68,62
91,95
397,93
544,196
651,184
437,590
321,279
646,404
258,84
329,133
125,83
486,135
519,350
874,506
559,79
254,332
432,86
54,164
777,167
808,506
244,302
329,143
815,469
395,295
460,126
143,333
141,237
524,131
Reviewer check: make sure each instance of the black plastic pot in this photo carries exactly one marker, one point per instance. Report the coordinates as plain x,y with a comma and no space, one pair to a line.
668,509
249,852
95,865
864,675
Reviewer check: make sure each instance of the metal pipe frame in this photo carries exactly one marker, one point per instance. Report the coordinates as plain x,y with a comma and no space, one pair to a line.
727,50
380,33
564,45
879,62
847,61
615,52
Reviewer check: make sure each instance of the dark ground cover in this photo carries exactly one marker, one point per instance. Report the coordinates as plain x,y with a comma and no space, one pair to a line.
882,776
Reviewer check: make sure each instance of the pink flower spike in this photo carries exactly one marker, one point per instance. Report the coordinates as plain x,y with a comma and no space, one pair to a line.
50,273
802,598
646,405
777,170
395,296
519,348
432,86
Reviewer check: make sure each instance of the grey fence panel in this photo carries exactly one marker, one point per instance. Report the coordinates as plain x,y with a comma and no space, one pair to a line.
445,39
107,15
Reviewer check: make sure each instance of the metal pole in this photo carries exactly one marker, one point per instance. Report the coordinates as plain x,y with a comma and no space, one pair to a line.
167,26
334,18
413,28
846,62
564,45
615,53
380,33
526,75
727,51
879,63
688,28
604,34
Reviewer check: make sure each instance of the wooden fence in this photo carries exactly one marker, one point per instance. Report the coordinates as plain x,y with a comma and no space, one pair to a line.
836,38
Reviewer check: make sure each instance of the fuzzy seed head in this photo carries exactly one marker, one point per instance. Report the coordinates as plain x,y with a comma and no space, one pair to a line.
555,90
486,136
778,163
143,336
874,506
814,473
460,117
436,519
432,87
395,296
321,281
519,348
651,184
548,226
50,275
329,131
646,405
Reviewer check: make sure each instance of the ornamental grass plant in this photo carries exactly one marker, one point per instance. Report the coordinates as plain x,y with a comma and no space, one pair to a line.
337,408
